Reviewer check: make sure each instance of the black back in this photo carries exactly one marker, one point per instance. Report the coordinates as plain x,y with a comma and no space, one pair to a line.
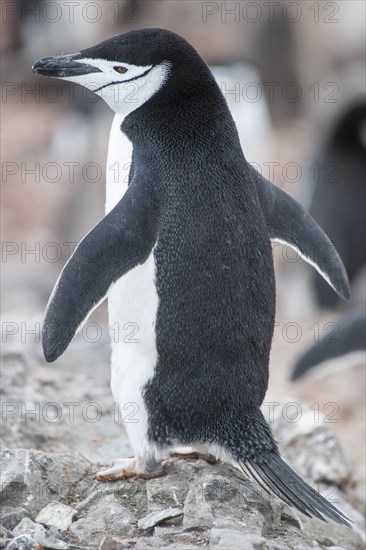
214,271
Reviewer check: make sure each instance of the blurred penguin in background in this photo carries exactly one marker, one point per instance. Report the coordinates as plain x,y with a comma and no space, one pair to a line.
338,203
347,346
339,197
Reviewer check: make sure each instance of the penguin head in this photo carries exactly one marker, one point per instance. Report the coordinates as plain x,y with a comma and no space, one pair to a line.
129,69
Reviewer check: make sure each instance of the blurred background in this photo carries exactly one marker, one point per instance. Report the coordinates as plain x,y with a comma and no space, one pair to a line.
293,74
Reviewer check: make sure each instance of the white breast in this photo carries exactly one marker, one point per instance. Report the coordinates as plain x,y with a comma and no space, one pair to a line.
132,307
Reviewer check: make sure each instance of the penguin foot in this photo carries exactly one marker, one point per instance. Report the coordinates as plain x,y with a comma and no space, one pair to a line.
131,467
190,453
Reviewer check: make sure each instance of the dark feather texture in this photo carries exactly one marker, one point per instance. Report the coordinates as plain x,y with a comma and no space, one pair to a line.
275,476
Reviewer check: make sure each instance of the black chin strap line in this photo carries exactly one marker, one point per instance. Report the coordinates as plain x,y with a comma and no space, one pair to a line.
124,81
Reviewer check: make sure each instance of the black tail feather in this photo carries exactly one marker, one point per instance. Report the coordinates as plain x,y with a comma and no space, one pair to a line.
296,496
264,482
275,476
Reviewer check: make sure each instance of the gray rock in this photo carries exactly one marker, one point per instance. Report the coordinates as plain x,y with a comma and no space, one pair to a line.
106,516
32,479
56,515
48,539
5,533
326,534
171,489
290,516
158,517
236,498
44,537
24,542
26,525
113,543
197,512
189,542
4,541
227,538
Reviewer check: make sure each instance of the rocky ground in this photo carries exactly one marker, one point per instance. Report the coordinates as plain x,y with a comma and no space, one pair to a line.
54,500
51,499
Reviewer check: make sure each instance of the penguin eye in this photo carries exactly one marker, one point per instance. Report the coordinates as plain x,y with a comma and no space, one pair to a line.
120,70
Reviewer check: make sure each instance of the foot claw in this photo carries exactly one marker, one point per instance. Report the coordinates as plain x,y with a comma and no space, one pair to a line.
122,474
189,453
130,468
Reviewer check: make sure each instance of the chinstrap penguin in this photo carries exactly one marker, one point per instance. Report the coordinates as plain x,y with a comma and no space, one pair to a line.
185,250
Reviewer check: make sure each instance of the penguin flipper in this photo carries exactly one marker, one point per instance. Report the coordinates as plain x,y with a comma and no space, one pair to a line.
290,224
120,241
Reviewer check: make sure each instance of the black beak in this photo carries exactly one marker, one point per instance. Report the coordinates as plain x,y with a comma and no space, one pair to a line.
63,66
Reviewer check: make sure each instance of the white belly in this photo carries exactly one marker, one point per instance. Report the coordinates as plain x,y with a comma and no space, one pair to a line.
132,307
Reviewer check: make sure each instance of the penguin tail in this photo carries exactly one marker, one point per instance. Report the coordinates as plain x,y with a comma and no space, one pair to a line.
274,476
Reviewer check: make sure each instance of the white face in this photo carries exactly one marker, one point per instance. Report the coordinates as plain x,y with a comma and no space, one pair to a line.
126,88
